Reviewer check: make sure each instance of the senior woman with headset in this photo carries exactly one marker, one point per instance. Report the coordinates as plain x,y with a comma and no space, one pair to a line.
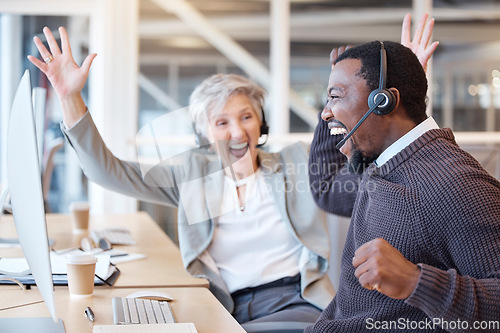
242,222
246,220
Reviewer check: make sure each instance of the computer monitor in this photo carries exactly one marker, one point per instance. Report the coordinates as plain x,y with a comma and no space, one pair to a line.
24,181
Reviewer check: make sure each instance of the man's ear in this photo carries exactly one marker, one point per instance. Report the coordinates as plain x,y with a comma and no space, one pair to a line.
399,110
397,96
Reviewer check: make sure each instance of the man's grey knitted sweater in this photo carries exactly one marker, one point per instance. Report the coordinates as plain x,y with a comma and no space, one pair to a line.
437,206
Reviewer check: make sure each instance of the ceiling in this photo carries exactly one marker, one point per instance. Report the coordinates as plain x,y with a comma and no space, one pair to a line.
315,25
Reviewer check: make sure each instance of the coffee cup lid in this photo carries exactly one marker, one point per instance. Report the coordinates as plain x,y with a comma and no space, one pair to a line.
81,258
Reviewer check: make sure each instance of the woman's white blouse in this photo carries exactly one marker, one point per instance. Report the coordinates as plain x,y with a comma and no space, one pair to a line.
253,246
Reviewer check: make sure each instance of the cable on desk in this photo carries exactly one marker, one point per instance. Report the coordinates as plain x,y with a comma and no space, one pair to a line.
19,283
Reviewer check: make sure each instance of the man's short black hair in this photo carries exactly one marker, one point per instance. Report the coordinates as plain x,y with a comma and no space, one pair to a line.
404,72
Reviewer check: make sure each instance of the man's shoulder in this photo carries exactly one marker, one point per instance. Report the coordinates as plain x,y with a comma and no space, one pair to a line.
436,164
444,170
444,156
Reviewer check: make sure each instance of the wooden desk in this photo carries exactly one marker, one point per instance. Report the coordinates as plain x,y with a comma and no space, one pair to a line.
15,297
196,305
162,266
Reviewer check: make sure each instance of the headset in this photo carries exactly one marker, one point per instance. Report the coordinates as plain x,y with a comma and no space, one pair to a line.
203,142
381,101
264,129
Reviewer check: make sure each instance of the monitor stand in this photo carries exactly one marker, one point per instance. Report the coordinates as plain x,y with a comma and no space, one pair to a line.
39,325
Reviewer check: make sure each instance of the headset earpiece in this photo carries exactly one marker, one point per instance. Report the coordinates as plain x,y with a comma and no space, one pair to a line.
386,106
200,139
264,129
389,102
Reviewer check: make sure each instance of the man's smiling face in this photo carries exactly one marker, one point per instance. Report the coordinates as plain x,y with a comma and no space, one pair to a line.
347,103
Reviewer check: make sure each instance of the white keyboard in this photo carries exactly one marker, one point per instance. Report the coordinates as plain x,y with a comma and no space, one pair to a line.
115,236
141,311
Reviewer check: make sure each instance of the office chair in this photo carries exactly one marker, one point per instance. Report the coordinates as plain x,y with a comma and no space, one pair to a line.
48,168
337,229
276,327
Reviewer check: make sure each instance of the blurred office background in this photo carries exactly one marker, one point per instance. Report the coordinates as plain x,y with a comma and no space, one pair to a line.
152,53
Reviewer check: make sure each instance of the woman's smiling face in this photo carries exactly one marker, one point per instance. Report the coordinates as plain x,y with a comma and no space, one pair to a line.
236,130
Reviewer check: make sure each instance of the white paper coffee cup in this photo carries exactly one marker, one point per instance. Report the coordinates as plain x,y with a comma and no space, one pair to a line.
81,272
80,216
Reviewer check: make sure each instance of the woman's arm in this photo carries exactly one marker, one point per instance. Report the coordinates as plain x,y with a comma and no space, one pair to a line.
98,163
157,184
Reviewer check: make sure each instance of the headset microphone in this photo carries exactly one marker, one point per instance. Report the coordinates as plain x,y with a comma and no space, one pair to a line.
381,101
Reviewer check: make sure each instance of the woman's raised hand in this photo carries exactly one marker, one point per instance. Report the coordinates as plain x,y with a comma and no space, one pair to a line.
420,43
67,78
334,54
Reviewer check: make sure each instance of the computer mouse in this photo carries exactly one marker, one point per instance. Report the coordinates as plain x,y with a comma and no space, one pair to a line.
152,294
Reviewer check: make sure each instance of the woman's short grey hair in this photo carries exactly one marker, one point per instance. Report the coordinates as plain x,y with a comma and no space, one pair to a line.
213,93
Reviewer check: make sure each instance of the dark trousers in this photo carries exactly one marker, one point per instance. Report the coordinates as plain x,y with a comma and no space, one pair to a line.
279,300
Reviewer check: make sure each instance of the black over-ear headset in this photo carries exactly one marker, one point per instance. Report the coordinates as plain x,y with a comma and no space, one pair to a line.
203,142
381,101
264,129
